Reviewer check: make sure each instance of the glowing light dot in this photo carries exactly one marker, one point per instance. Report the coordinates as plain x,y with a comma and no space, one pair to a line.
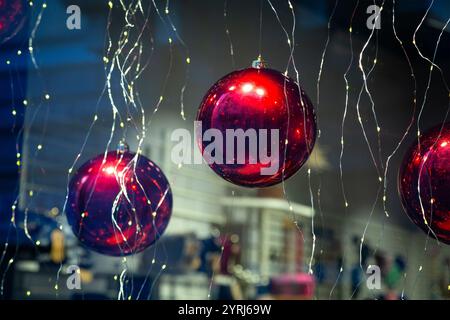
374,61
420,268
70,170
110,4
247,87
30,3
19,52
14,112
350,29
18,155
232,88
130,223
380,179
432,200
163,266
28,293
122,125
39,147
38,243
31,193
18,163
260,92
115,278
170,40
444,144
384,198
44,5
346,204
25,102
188,60
378,129
95,118
109,170
30,49
309,171
56,287
154,214
8,62
105,59
47,97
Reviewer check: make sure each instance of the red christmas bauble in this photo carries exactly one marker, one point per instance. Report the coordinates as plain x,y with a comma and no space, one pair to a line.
120,205
424,183
263,127
12,17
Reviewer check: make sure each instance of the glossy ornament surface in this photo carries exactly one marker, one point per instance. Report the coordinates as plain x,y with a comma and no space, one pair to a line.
426,171
12,18
259,98
119,206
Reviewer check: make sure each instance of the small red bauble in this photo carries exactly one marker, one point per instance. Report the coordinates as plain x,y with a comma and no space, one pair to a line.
424,183
258,102
119,205
12,17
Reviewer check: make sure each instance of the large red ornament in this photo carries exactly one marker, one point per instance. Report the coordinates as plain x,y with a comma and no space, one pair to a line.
258,98
119,206
424,183
12,18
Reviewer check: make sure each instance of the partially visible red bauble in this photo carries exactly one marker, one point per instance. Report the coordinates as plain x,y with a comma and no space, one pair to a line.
12,18
119,205
426,167
259,98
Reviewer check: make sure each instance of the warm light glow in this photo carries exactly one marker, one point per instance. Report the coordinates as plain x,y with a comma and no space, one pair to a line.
444,144
232,88
110,170
260,92
247,87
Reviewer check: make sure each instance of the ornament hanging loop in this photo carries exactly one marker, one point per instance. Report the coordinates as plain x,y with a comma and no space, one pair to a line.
259,63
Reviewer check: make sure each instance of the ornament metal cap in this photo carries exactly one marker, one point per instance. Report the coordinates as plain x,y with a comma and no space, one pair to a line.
123,147
259,63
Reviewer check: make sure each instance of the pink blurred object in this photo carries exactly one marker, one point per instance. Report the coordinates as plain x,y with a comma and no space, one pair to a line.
293,286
